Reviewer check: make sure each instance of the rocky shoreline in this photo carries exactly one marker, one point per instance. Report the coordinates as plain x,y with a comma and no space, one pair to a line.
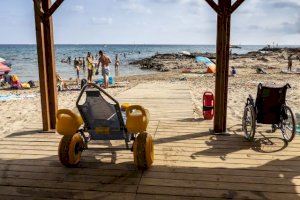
175,61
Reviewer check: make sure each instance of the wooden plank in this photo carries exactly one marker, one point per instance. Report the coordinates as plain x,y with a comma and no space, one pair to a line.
239,186
39,193
226,194
51,67
222,65
155,172
42,66
163,150
110,185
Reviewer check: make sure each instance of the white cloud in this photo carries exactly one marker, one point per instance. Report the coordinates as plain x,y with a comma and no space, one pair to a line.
77,8
102,20
136,8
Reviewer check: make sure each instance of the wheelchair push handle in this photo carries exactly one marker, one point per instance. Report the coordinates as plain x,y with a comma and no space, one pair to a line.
93,85
288,86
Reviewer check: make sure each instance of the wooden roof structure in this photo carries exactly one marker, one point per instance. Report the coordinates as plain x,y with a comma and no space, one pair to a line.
44,10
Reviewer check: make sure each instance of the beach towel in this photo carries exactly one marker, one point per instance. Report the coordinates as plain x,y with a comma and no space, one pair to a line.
25,85
294,71
11,97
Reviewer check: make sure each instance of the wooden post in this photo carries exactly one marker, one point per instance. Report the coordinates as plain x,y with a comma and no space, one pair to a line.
42,66
224,11
50,62
223,45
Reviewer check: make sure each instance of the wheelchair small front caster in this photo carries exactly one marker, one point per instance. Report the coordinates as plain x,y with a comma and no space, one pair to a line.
274,128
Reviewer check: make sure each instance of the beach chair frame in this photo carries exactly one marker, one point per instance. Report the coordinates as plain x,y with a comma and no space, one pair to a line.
269,108
102,120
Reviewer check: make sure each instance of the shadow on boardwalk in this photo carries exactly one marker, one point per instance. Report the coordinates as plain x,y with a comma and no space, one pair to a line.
46,178
104,174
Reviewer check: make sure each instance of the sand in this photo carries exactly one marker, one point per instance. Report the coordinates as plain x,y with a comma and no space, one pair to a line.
24,115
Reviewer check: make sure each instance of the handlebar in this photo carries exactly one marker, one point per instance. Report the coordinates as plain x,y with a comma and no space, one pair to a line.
97,87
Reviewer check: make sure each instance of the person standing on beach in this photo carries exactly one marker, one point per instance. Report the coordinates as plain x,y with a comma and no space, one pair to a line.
290,63
117,64
77,68
90,66
105,61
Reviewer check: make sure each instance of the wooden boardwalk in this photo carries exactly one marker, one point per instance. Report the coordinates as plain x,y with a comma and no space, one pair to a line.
189,162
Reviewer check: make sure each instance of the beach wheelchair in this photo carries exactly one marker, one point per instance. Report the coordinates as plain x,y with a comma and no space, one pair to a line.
269,108
101,118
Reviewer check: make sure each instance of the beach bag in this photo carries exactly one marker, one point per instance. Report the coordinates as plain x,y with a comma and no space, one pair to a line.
31,83
15,78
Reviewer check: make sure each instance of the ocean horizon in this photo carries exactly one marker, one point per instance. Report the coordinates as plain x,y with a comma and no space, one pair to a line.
23,57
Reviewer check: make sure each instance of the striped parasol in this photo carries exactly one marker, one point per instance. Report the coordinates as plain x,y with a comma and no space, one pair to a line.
4,68
2,60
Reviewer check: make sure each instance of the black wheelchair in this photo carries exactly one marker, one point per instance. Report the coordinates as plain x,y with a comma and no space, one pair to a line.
269,108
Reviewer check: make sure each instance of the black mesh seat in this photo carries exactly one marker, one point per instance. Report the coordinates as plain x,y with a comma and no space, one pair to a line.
269,102
103,120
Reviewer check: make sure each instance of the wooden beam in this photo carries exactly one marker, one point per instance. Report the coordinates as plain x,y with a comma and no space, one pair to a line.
236,5
51,67
53,8
213,4
222,65
38,9
42,66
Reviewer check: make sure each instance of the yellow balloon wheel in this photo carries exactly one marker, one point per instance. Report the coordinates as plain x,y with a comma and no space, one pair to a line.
70,149
143,151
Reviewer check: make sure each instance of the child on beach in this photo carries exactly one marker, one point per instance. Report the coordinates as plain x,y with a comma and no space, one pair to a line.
233,71
105,61
61,84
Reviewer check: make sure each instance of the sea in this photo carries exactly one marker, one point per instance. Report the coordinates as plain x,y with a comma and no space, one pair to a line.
23,58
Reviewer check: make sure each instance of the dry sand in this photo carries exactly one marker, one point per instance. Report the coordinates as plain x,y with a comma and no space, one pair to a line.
23,115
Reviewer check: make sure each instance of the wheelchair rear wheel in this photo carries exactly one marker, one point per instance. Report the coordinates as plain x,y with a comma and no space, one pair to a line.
249,122
288,124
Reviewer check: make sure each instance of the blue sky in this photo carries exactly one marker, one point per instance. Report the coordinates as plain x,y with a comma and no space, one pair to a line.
153,22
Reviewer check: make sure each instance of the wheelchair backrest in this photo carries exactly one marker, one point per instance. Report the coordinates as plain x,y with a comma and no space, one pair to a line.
269,102
97,112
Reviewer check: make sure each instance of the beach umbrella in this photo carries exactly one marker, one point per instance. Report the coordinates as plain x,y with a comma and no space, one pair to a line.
4,68
204,60
2,60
